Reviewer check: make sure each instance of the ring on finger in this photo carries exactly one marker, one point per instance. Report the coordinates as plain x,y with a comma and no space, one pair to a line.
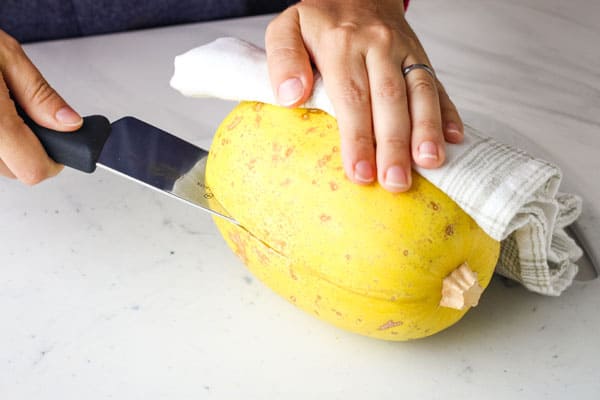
406,70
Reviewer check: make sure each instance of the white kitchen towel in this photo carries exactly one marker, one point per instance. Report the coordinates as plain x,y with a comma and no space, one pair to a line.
513,196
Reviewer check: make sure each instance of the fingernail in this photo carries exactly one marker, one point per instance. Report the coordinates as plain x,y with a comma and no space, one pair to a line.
363,172
395,178
290,92
428,150
453,130
67,116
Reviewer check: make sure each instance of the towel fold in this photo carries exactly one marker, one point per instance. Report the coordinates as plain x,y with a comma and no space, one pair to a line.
513,196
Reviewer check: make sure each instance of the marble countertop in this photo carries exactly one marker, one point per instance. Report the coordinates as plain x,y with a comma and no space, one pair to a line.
108,290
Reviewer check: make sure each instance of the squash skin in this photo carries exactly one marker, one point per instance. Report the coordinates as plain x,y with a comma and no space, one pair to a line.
359,257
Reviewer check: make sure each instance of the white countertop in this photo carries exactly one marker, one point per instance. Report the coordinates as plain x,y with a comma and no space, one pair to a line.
108,290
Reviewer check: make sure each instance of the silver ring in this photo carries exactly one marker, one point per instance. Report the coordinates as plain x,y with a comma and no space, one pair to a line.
425,67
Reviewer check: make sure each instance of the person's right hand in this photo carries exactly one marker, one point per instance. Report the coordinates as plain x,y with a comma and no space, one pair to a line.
387,118
21,154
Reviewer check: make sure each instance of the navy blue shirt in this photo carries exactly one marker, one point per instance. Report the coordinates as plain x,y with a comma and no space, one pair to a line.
33,20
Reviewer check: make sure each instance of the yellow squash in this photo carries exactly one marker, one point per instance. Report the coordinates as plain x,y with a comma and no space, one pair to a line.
361,258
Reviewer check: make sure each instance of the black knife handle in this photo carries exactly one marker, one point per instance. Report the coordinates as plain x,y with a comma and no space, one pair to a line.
79,149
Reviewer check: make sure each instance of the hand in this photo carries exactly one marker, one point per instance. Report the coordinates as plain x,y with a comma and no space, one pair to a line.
21,154
360,47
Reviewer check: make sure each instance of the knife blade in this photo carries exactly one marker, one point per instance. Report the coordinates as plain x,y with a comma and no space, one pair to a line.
138,151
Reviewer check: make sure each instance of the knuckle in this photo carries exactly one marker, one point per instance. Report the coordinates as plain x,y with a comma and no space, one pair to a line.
390,89
343,35
349,27
428,128
270,26
39,91
353,93
422,85
359,140
394,142
272,31
34,173
285,53
8,44
280,23
382,34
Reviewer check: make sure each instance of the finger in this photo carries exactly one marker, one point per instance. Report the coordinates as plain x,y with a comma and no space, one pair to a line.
451,121
428,147
4,171
391,121
20,150
346,82
33,93
288,61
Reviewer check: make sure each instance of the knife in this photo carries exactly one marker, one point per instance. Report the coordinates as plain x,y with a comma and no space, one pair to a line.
135,150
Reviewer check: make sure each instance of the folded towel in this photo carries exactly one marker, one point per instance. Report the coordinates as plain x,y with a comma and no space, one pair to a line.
513,196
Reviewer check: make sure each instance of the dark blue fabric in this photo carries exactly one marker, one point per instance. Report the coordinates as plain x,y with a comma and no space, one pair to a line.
33,20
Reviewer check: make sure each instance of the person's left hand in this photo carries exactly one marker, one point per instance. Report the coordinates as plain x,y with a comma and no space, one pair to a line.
360,47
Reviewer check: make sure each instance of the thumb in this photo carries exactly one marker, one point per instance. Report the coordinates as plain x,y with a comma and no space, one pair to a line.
33,93
288,60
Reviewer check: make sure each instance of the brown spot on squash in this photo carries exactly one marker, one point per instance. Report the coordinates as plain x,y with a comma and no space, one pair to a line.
286,182
305,116
333,186
325,217
293,299
289,151
435,206
449,231
251,163
279,245
390,324
405,253
234,123
262,257
324,160
258,106
293,274
240,245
